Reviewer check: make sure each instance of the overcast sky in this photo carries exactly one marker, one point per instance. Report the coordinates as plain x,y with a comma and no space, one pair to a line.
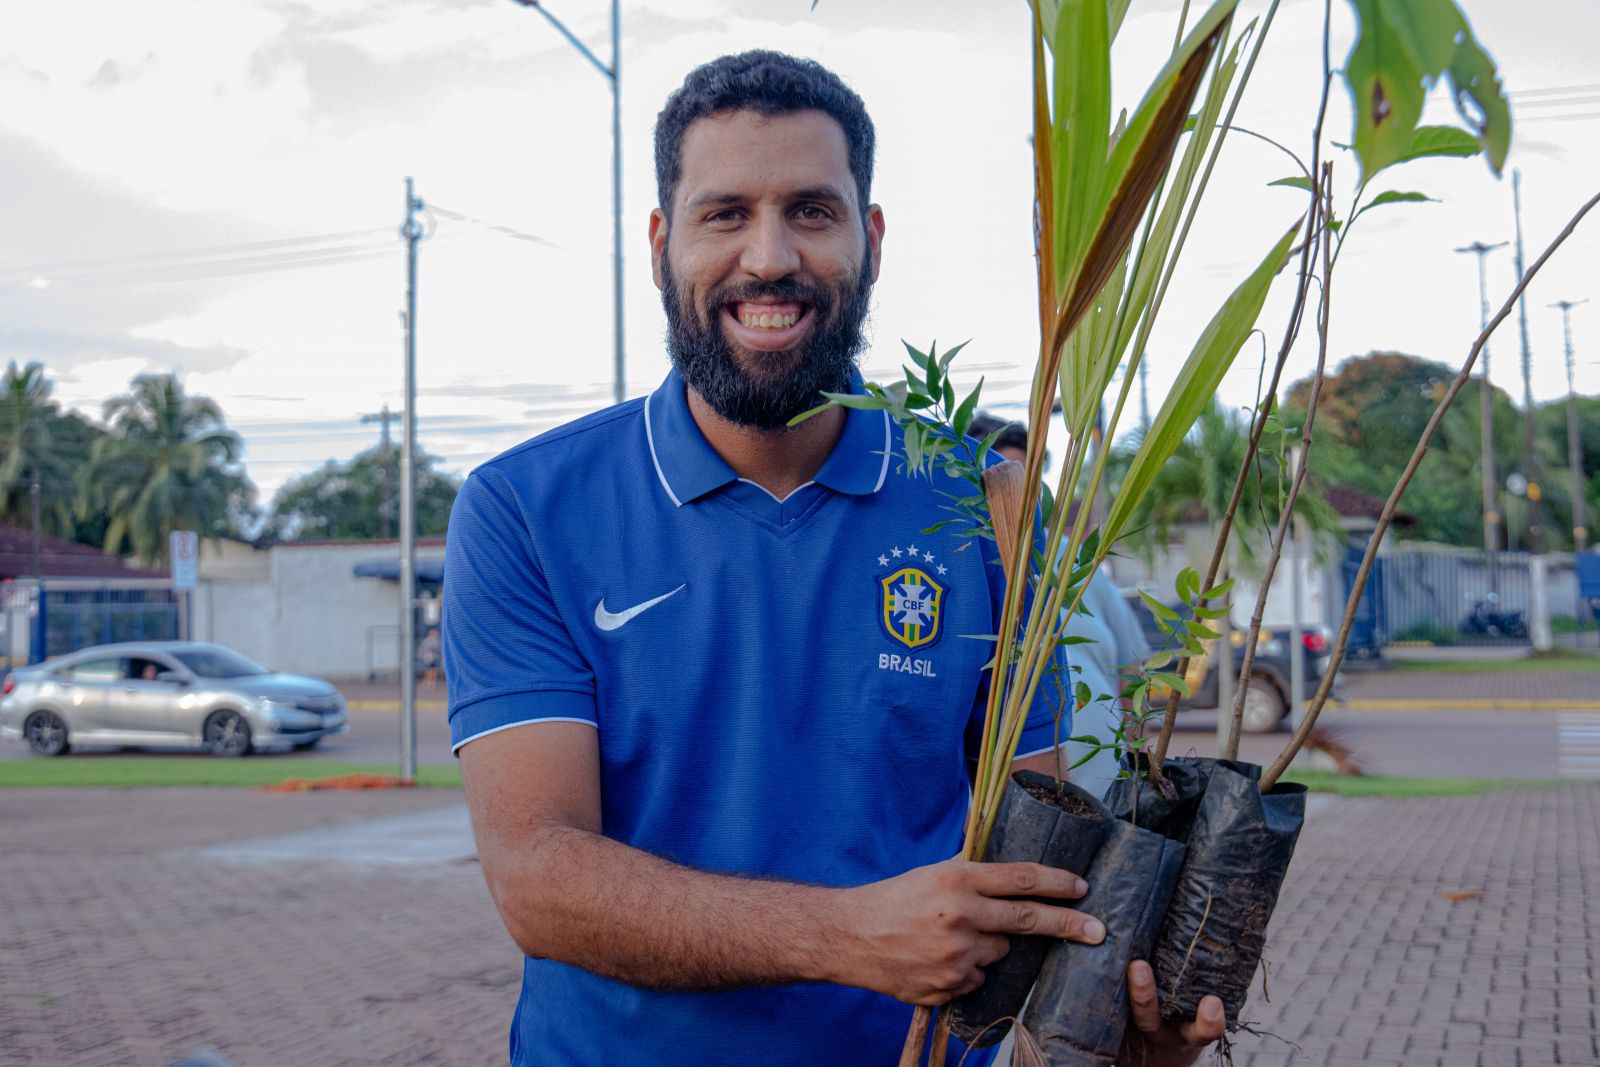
130,133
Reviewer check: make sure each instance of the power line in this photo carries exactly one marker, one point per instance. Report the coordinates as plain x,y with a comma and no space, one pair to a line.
1554,90
199,253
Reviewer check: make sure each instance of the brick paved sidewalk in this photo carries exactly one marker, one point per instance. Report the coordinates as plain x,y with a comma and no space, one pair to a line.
117,949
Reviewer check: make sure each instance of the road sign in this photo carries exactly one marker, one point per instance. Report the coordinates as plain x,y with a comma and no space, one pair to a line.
185,553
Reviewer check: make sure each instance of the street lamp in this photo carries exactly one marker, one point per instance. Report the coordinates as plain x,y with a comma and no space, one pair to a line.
1491,517
613,74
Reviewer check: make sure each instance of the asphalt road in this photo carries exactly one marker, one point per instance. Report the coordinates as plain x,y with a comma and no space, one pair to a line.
1541,743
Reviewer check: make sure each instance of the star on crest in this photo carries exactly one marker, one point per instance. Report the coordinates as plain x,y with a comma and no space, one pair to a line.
914,552
883,561
928,556
943,569
895,552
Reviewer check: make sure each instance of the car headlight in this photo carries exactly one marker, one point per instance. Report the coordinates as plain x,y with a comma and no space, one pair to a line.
1272,646
276,709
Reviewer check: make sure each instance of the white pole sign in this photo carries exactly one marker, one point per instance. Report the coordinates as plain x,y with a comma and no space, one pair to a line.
185,555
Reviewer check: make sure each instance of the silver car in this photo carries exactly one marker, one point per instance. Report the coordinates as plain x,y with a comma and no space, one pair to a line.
166,693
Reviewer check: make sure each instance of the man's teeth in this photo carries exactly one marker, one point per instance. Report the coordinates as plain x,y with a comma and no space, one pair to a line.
766,321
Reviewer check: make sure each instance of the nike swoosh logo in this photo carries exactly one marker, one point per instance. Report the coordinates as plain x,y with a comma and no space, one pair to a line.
613,620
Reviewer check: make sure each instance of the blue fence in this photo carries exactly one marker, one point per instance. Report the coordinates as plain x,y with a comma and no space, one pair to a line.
74,615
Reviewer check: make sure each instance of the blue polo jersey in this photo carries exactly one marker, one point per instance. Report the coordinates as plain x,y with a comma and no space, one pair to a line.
781,688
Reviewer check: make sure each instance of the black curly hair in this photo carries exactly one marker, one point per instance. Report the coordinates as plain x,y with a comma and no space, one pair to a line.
768,83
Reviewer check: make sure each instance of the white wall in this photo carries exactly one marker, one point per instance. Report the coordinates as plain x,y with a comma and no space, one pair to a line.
308,612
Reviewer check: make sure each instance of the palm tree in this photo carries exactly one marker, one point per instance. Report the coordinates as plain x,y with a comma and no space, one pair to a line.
169,463
1197,482
29,451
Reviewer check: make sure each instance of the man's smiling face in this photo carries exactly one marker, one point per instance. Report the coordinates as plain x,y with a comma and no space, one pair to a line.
766,264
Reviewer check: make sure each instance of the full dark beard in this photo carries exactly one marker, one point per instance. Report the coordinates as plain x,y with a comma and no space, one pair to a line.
783,384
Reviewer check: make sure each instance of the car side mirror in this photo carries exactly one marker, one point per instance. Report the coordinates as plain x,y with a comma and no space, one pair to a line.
175,677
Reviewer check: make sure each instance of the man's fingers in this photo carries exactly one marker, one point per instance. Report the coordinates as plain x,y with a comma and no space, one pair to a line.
1210,1022
1046,920
1142,1003
991,948
1026,880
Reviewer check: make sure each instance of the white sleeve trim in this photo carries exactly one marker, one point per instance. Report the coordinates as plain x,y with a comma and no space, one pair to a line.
1019,755
510,725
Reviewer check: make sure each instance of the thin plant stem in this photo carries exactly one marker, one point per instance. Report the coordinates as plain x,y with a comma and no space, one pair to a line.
1314,228
1359,585
1286,517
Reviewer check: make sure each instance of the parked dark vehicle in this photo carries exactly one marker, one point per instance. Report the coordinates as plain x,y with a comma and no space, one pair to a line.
184,694
1266,703
1487,620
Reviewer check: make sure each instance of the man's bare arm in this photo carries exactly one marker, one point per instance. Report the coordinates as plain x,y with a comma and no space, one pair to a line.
566,892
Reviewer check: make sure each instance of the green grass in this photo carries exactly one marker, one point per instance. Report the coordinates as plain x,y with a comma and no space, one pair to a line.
138,772
1378,785
1537,663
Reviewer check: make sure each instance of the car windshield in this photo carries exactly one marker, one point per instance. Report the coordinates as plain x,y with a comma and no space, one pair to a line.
213,662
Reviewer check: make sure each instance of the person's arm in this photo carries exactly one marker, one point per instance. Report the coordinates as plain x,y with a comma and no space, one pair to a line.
566,892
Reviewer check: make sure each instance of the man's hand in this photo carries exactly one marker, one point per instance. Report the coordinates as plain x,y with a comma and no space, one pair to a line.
1154,1042
924,937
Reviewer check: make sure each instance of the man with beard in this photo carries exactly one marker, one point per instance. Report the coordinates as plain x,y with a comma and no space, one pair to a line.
707,684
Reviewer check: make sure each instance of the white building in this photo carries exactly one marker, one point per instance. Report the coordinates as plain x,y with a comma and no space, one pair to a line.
303,606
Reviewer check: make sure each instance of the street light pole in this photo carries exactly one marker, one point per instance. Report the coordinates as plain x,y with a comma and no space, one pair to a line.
1530,461
1491,514
613,75
411,231
1580,524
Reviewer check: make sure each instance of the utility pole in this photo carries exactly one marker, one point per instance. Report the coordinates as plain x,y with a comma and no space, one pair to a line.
386,503
411,231
34,493
1580,522
612,74
1144,392
1530,462
1491,485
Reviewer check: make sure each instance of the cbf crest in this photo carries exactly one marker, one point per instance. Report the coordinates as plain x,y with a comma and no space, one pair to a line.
913,606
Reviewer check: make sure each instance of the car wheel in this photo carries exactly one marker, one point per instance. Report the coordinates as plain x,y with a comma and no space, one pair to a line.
1264,707
228,735
46,733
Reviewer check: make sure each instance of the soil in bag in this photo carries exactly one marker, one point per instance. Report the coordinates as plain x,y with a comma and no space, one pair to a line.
1169,811
1240,845
1079,1009
1043,821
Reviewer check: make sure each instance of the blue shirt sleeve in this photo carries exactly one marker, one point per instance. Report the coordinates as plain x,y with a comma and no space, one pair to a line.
507,652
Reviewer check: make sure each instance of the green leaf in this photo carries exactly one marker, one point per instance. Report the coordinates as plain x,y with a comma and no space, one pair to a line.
1434,141
1080,125
964,413
856,400
913,444
1294,182
1157,608
1426,29
804,415
1219,590
1171,681
944,360
1474,79
1188,584
1385,89
1196,384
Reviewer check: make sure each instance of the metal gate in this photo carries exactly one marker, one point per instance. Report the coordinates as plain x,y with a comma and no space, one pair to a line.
77,613
1457,598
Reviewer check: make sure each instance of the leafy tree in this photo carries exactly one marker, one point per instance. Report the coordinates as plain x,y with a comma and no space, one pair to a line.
169,463
38,441
348,501
1372,412
1550,427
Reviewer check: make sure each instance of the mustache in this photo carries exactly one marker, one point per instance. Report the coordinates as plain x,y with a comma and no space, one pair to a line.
782,290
